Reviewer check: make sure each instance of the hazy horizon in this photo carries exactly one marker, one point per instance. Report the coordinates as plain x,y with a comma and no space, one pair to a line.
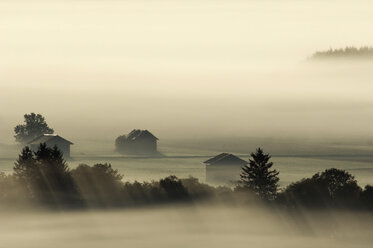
98,69
205,77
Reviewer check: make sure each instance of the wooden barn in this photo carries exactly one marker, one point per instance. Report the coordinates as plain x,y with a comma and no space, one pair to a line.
141,142
224,168
52,140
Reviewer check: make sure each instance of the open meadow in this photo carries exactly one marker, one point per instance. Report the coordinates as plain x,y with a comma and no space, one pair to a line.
184,158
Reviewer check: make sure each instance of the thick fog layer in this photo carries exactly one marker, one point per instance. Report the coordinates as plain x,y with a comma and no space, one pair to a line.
208,226
184,69
205,76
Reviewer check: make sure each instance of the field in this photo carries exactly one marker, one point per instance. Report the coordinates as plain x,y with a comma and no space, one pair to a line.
188,160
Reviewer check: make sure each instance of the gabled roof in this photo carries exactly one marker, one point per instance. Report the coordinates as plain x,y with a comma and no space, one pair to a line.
46,138
137,133
225,158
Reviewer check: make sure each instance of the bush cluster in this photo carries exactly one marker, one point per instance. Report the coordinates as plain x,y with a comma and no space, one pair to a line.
43,178
332,188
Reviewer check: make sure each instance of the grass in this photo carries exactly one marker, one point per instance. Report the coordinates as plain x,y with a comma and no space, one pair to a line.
146,169
187,161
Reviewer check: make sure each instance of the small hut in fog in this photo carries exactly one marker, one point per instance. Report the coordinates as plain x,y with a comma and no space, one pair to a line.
141,142
224,168
52,140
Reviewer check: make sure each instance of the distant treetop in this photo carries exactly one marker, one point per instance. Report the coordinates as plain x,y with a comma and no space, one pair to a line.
35,125
365,52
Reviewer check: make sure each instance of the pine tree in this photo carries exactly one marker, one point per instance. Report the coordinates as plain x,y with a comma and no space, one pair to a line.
46,176
258,177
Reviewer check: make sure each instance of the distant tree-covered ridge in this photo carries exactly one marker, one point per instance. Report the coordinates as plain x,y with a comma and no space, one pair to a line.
365,52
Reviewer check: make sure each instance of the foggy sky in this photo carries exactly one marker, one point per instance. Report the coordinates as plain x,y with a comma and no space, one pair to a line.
184,68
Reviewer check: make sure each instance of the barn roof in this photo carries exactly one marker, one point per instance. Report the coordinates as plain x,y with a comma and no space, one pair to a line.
47,137
137,133
225,158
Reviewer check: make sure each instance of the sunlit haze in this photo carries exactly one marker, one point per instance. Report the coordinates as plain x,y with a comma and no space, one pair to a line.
186,123
182,68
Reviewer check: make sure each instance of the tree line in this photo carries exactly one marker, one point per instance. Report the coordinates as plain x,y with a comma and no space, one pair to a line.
43,178
347,52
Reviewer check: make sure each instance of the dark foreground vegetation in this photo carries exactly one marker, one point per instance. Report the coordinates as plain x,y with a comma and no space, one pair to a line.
43,179
345,53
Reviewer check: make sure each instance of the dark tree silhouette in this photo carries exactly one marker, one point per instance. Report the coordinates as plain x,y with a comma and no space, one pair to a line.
11,192
102,172
121,144
305,193
174,188
46,176
335,180
341,186
258,177
367,197
331,188
35,125
365,52
25,167
99,185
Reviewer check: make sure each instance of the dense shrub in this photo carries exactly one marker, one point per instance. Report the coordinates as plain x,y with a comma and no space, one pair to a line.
12,192
143,193
99,185
121,144
367,197
174,188
331,188
46,176
306,192
197,190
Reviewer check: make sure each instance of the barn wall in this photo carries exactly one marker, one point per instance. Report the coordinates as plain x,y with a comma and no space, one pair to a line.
223,174
143,146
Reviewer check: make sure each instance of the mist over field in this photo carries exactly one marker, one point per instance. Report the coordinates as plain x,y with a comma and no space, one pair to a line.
199,226
205,77
97,69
